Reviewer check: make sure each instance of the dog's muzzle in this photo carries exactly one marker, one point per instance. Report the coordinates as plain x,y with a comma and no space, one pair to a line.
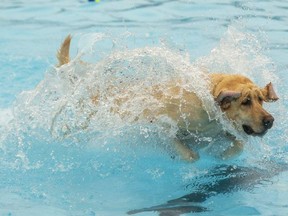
267,124
248,130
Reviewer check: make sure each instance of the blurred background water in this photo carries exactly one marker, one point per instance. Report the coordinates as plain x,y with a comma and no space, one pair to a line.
41,174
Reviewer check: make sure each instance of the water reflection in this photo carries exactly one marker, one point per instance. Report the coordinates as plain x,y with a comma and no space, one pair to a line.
221,179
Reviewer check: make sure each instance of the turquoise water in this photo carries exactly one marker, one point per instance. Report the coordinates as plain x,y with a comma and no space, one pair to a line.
50,166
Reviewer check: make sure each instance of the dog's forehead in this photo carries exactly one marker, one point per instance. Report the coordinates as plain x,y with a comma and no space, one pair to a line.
251,90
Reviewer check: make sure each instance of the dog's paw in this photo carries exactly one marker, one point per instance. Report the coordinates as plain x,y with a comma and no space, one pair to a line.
190,156
233,150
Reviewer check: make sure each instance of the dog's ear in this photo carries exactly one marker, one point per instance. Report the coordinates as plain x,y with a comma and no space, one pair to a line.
269,93
225,98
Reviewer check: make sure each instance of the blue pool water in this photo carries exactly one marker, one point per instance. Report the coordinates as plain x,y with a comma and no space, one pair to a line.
50,165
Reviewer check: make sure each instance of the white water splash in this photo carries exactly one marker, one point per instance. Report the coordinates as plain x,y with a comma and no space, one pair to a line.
63,104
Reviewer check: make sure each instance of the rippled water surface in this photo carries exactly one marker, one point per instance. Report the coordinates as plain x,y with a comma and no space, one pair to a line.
61,155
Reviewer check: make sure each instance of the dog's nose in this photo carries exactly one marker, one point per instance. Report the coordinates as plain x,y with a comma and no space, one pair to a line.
268,121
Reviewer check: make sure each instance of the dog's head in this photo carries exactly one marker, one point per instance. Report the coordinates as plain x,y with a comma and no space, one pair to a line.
242,101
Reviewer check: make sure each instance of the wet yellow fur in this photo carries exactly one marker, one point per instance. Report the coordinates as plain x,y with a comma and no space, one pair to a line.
197,118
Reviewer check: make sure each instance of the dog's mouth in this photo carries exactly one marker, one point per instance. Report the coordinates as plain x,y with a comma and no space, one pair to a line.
248,130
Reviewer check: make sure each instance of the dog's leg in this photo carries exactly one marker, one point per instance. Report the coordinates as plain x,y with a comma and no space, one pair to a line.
234,149
186,153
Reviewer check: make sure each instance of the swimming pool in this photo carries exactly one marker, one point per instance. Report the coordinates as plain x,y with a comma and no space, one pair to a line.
113,167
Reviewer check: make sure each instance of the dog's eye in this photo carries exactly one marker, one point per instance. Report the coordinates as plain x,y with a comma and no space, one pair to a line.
246,102
260,99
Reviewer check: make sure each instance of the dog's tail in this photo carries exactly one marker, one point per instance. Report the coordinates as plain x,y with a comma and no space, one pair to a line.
63,53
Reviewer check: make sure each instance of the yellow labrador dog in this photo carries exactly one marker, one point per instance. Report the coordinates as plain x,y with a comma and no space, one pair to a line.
238,97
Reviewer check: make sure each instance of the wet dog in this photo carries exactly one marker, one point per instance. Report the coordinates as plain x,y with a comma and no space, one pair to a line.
236,95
